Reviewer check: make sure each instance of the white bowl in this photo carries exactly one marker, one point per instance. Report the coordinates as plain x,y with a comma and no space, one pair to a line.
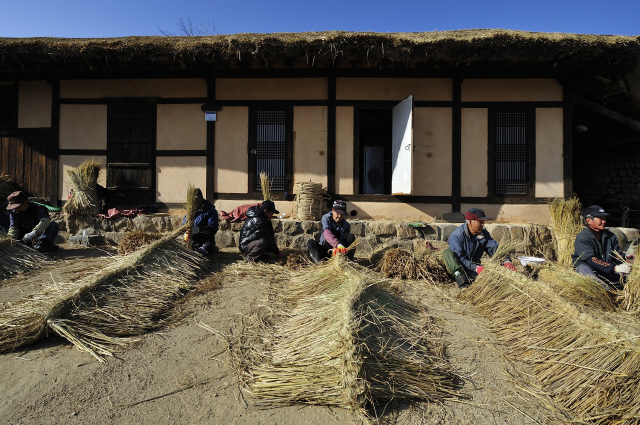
531,260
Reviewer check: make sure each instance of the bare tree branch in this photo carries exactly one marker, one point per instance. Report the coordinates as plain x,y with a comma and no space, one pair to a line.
190,29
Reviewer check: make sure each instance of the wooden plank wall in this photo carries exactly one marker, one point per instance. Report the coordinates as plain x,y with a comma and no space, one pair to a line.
26,159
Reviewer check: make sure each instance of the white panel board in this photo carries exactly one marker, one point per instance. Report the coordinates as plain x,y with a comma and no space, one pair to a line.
402,148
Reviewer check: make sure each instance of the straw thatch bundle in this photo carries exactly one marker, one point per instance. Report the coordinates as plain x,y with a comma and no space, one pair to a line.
84,199
344,341
16,257
190,208
133,241
309,197
402,263
589,366
566,224
580,289
631,297
7,187
132,296
265,186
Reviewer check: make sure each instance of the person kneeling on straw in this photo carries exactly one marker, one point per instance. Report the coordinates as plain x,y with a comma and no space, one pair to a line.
597,251
466,245
30,223
256,236
335,236
205,226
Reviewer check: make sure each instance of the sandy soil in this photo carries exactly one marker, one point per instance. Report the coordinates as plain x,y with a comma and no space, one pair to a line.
182,375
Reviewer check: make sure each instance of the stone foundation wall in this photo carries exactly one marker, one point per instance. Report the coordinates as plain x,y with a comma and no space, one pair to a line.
295,234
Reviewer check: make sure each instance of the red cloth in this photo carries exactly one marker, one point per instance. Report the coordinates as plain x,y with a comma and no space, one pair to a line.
117,213
238,214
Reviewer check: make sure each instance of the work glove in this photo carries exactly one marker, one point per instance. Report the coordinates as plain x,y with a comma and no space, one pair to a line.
29,237
186,236
195,230
342,250
624,268
510,266
630,258
340,246
479,269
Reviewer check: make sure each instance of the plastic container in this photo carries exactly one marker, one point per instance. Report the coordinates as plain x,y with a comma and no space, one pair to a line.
534,261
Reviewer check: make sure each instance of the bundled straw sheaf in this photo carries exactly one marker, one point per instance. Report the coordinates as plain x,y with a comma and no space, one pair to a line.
309,198
566,224
589,366
133,241
265,185
132,296
346,341
84,199
631,299
16,257
405,264
190,208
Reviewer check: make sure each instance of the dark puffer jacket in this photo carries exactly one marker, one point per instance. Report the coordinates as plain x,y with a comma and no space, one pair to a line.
257,226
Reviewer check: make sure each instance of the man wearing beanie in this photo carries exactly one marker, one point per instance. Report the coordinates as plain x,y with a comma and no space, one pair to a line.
466,245
594,250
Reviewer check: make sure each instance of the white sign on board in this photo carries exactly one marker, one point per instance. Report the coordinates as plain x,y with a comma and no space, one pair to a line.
210,116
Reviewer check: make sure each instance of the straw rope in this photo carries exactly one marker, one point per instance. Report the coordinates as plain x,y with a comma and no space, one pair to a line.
309,197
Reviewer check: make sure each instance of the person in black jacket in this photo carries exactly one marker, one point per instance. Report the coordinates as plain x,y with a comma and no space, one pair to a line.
205,226
256,236
595,247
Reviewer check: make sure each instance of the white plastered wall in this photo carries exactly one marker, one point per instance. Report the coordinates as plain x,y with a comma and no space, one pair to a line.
181,127
549,162
67,162
474,172
393,88
174,174
166,88
271,88
511,90
83,126
310,144
231,157
344,150
432,151
397,211
513,213
34,104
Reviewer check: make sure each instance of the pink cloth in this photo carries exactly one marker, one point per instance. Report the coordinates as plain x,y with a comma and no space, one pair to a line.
238,214
117,213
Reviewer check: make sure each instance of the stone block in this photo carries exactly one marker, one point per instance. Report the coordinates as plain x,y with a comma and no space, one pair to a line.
358,228
115,237
405,232
429,232
291,227
96,240
300,242
517,233
498,232
225,239
283,240
367,245
382,228
278,225
446,230
224,225
310,227
144,224
236,227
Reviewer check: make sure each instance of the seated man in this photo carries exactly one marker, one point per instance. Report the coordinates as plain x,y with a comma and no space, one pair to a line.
30,223
205,226
595,247
466,245
335,234
256,236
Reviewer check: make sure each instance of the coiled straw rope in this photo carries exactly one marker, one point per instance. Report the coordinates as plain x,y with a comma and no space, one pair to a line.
309,197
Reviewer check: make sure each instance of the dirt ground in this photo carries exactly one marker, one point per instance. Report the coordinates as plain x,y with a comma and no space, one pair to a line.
182,375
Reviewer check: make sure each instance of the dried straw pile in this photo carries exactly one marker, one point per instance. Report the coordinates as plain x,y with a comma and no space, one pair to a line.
309,197
133,241
7,187
132,296
84,199
587,365
15,257
402,263
345,341
566,224
631,299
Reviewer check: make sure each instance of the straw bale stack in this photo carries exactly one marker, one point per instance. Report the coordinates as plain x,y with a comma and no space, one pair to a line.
589,366
16,257
309,197
566,224
133,241
345,341
132,296
84,199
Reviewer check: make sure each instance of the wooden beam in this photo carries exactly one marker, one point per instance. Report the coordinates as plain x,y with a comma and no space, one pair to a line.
608,113
456,151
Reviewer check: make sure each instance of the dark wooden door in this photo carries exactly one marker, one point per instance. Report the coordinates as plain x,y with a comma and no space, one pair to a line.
27,159
131,152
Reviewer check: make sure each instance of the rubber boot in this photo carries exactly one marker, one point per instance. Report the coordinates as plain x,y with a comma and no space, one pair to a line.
462,280
315,256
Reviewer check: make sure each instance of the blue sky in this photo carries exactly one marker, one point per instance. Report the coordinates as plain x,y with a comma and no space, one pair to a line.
117,18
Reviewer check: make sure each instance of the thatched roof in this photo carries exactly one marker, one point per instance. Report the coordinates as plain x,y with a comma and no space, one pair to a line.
440,48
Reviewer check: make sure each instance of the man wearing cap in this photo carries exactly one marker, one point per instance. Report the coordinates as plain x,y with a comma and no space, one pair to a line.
594,249
30,223
205,226
335,235
466,245
256,236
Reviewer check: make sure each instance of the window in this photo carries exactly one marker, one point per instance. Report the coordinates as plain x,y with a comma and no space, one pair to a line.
271,147
511,152
8,106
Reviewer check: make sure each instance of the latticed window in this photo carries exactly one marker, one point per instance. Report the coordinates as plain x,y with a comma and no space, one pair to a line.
271,147
511,154
8,106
